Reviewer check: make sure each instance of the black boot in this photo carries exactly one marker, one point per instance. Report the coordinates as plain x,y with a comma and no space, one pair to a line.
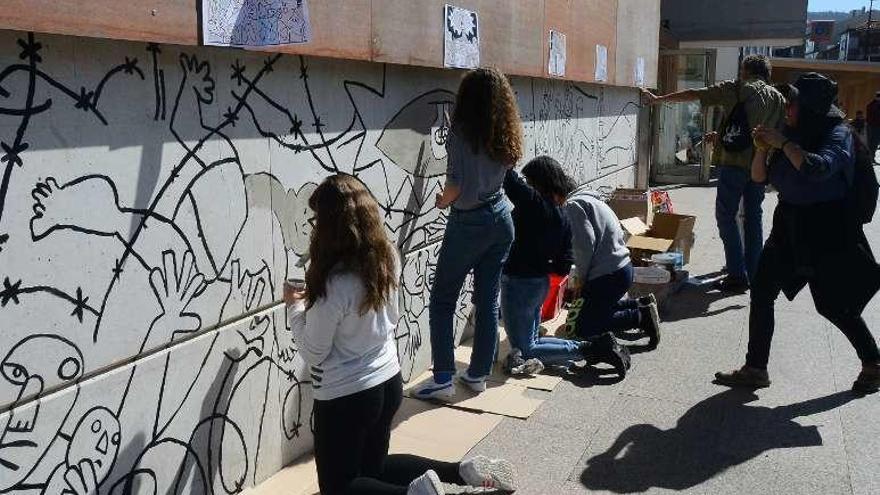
606,349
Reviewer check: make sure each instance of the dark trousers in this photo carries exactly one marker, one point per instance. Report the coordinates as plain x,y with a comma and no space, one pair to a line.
741,254
772,270
351,445
604,308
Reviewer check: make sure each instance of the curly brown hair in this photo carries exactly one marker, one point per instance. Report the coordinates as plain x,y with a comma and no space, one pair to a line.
349,236
486,116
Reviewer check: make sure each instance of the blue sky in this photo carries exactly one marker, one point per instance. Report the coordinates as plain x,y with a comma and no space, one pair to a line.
840,5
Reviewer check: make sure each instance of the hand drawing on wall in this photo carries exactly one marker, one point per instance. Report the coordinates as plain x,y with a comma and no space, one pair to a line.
178,274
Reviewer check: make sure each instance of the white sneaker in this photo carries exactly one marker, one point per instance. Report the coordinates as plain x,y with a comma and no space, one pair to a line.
480,471
431,390
426,484
477,384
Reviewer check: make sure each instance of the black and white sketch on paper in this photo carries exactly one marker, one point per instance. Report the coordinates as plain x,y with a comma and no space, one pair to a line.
255,22
461,38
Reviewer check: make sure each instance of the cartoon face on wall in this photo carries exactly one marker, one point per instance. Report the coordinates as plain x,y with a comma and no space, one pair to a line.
96,439
30,429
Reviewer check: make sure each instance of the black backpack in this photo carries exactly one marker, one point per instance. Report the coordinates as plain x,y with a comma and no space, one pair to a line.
736,135
865,188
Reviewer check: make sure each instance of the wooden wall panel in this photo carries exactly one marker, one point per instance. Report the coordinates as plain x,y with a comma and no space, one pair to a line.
162,21
638,35
594,22
412,33
514,32
341,29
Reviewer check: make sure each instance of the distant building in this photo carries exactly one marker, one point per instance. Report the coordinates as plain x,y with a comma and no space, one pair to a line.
736,29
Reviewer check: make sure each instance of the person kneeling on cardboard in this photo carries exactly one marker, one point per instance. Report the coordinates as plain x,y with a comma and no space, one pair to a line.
605,273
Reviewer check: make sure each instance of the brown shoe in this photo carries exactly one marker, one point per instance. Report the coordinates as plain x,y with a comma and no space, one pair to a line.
745,377
868,381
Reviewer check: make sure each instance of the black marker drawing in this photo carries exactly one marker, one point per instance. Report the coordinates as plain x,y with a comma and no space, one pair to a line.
141,341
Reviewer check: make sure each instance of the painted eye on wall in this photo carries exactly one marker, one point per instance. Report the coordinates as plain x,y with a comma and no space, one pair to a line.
96,426
15,373
69,369
115,439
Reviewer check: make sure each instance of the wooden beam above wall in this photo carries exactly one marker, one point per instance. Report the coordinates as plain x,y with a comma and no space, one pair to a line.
514,32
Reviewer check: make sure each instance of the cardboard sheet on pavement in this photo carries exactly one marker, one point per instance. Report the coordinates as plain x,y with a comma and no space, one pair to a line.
505,399
441,433
420,428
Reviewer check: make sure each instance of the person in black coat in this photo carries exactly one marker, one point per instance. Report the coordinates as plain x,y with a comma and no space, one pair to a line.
816,239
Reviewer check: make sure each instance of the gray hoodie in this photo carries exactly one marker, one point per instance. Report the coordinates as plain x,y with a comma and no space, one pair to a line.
597,237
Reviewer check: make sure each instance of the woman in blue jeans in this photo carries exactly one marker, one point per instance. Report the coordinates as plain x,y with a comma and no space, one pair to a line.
484,142
542,247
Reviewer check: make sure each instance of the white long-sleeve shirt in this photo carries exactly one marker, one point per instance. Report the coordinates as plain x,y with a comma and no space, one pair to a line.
347,352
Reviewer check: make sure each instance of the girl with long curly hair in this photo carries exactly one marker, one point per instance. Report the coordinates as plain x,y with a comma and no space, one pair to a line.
344,326
485,141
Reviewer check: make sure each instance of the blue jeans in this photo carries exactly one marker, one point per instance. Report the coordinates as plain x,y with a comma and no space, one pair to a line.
604,308
521,302
734,184
477,240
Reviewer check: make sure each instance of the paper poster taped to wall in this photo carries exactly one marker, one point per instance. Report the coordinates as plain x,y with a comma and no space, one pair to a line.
461,38
639,71
253,23
601,63
557,54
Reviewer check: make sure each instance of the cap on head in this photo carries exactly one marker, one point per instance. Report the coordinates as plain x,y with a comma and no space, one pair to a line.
816,94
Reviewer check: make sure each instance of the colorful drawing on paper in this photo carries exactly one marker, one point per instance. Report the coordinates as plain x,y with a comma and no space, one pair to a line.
255,22
461,38
557,54
601,63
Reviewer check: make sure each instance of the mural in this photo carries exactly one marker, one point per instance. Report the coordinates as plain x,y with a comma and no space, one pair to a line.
152,201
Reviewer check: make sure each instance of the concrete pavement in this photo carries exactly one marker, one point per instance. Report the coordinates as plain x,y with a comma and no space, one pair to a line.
668,428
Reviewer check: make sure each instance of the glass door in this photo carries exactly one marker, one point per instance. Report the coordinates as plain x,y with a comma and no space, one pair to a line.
680,155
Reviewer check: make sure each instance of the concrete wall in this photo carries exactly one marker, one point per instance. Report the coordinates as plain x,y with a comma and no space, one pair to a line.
153,200
740,20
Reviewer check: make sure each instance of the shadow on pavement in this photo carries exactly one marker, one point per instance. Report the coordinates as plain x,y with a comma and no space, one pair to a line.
693,301
714,435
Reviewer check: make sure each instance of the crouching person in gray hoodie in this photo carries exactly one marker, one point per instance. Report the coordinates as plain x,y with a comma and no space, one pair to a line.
605,274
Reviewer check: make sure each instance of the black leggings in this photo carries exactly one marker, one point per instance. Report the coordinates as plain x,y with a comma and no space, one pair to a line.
766,288
351,445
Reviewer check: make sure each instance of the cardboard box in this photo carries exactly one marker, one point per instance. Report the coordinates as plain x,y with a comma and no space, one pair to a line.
669,232
632,203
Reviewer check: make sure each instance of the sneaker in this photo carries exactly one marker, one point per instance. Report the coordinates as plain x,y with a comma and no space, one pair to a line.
734,285
868,381
745,377
431,390
650,320
482,472
513,361
529,367
606,349
426,484
475,383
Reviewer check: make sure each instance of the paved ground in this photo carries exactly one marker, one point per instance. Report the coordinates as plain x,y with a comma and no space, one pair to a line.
668,428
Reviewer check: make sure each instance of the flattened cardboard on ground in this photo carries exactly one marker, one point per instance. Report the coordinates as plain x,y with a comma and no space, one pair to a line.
537,382
420,428
632,203
441,433
669,232
504,399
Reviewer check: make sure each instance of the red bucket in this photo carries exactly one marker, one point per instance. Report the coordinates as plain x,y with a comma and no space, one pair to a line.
555,296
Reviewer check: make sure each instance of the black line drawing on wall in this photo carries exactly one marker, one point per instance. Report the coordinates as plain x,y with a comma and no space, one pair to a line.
169,283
